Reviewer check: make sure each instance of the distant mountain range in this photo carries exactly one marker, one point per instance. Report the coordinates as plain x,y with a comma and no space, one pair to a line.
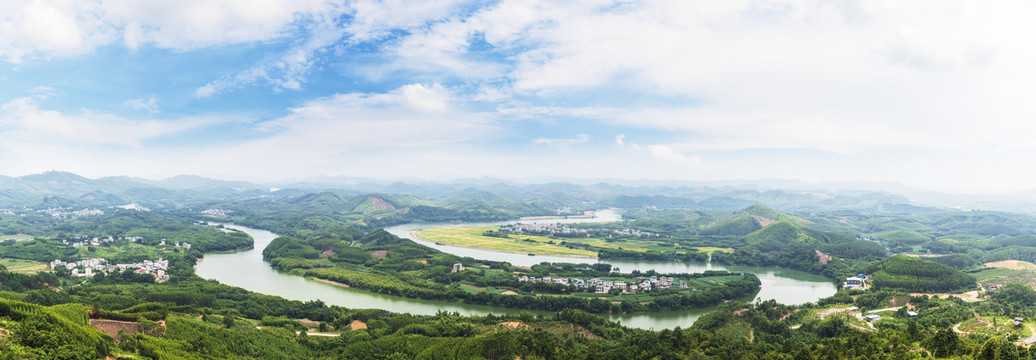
359,195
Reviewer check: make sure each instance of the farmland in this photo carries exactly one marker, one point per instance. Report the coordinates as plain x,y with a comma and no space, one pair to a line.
472,236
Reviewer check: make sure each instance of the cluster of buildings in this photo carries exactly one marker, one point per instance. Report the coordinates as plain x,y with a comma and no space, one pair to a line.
856,282
91,267
87,241
83,240
541,228
604,286
67,212
216,212
558,228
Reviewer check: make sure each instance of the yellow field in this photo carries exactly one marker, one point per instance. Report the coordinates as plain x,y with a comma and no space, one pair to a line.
24,266
471,236
706,249
1012,264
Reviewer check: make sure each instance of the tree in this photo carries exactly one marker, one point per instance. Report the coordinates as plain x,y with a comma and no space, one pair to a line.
228,321
989,349
1008,351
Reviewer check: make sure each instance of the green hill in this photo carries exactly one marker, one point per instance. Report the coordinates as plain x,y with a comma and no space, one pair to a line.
325,202
368,204
749,220
918,275
56,332
736,226
905,236
784,235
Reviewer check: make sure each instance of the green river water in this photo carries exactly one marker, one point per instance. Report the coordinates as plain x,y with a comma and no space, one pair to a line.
247,269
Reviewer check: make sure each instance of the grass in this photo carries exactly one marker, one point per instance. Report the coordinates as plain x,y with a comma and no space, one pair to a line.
1003,325
471,236
24,266
1002,276
14,237
709,249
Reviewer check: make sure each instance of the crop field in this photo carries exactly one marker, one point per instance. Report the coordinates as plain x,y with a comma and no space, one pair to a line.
14,237
24,266
1019,273
471,236
996,326
708,249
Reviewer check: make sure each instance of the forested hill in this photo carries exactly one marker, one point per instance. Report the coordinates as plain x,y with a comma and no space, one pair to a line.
918,275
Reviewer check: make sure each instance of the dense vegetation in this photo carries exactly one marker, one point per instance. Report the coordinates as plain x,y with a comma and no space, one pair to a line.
918,275
325,237
404,268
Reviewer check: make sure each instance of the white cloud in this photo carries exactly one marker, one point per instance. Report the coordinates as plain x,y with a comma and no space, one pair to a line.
374,19
578,139
667,153
22,121
48,28
413,116
149,104
191,24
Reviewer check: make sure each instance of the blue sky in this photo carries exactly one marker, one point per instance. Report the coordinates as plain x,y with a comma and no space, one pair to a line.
932,94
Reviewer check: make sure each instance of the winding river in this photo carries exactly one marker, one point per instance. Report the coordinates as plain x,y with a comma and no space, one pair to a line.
246,269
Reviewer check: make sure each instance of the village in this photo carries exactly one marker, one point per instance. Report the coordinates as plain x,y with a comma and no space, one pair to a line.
98,241
605,286
559,228
92,267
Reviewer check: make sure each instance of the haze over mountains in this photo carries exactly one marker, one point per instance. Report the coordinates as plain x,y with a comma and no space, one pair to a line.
66,189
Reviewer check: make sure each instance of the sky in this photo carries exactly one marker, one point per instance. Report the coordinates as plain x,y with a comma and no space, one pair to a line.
934,94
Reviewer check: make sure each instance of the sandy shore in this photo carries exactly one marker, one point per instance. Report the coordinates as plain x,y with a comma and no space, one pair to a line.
329,282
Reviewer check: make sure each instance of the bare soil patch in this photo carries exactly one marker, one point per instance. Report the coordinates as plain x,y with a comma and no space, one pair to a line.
358,325
379,254
583,331
970,296
763,221
824,258
329,282
327,253
112,327
380,204
515,325
1012,264
509,292
308,323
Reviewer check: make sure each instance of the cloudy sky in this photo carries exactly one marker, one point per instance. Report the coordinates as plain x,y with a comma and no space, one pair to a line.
933,94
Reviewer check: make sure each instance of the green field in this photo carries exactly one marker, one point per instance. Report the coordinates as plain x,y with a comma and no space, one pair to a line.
707,249
24,266
14,237
471,236
1002,276
996,326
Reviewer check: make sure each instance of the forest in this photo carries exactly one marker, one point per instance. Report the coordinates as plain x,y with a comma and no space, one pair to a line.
191,318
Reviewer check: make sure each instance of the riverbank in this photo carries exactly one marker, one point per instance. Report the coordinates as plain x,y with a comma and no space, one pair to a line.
329,282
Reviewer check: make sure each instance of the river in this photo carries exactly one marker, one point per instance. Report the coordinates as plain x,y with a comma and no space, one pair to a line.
246,269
